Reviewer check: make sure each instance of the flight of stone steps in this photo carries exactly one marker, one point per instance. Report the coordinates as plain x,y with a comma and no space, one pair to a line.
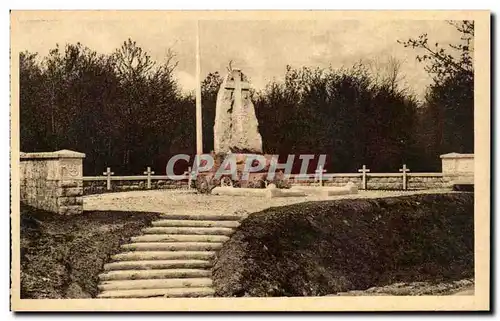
173,258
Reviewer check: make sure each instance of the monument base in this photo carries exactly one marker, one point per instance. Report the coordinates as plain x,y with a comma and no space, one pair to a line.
255,180
257,192
349,188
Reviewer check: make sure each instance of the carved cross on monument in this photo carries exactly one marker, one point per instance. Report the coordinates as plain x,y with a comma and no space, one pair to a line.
319,172
404,170
149,173
237,83
364,171
239,86
190,174
108,173
236,128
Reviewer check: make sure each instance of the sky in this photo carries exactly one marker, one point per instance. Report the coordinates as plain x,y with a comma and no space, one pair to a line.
261,48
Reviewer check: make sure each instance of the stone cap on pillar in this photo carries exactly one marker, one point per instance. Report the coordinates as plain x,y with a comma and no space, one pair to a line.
457,155
63,153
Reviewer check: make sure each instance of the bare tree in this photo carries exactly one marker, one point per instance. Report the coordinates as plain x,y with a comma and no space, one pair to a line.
132,61
449,101
387,72
444,64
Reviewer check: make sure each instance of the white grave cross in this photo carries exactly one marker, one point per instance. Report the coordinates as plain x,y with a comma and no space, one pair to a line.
190,174
149,173
108,174
404,170
364,171
319,173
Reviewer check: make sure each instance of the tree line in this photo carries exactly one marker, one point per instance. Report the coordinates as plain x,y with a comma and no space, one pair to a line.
127,111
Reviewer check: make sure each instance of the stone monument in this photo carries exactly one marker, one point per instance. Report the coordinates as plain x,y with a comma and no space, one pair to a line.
236,129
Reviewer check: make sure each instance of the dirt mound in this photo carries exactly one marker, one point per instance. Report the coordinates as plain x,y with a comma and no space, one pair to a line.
320,248
61,256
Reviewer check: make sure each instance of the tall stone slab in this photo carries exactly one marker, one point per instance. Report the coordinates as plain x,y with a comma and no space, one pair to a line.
53,181
236,129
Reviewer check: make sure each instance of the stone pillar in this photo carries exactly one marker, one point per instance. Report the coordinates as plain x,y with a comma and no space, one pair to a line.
458,168
53,181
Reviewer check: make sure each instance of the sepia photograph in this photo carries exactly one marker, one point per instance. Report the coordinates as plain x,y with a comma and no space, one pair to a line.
241,160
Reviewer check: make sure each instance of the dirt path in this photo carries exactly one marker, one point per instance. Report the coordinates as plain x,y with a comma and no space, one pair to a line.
465,291
189,202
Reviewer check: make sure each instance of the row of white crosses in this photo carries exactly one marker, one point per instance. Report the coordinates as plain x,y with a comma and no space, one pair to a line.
364,171
108,173
319,174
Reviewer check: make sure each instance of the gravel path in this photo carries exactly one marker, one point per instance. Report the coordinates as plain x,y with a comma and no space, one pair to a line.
189,202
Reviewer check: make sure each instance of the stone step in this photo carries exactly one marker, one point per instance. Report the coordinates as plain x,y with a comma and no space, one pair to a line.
189,230
179,238
154,274
173,246
169,293
195,223
157,264
164,255
154,284
203,217
172,259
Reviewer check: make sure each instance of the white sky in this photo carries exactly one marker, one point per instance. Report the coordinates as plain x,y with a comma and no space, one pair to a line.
261,49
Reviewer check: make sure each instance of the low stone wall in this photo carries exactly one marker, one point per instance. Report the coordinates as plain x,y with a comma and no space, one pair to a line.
117,185
456,169
375,181
427,182
52,181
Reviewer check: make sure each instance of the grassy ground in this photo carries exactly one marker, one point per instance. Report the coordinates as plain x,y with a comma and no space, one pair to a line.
62,256
327,247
